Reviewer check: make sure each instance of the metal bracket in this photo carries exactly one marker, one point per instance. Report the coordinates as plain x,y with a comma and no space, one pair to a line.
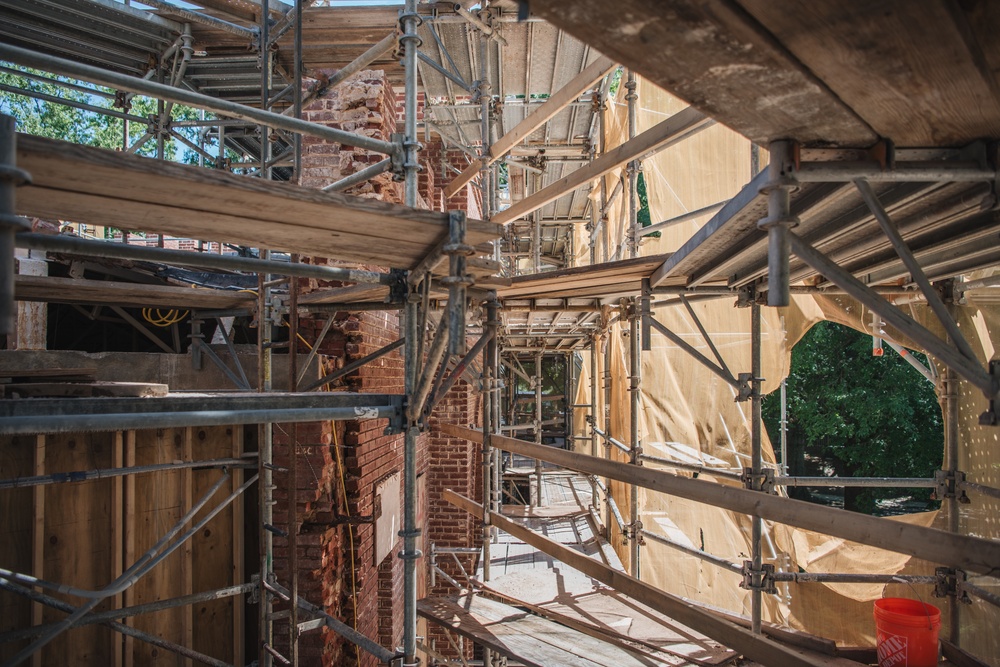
947,484
399,291
991,417
633,531
196,336
254,596
951,582
758,580
745,297
398,158
762,482
745,387
344,519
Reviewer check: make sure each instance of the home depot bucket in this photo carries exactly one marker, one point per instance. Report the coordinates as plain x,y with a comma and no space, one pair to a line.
906,633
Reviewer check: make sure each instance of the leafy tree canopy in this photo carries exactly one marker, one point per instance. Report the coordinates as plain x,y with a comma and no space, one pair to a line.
866,415
58,121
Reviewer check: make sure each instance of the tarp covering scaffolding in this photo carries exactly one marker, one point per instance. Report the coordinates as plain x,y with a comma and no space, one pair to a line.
688,414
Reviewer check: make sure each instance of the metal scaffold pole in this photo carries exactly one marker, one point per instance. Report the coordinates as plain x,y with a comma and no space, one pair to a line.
484,112
950,391
607,429
409,42
490,426
594,390
635,444
538,424
632,233
756,463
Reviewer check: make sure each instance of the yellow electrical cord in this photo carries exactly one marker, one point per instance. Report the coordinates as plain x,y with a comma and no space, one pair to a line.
350,534
162,319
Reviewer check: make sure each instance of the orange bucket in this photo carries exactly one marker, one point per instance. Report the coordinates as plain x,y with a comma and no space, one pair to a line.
906,633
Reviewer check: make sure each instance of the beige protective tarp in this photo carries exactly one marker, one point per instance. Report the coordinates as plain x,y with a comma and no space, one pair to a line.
688,413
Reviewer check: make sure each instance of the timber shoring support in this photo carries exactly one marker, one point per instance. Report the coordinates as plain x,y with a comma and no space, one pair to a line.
965,552
758,648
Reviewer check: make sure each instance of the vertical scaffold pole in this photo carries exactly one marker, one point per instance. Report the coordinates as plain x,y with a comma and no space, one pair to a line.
265,432
594,390
10,178
756,463
409,43
632,233
484,111
538,423
778,221
489,428
607,428
951,463
635,370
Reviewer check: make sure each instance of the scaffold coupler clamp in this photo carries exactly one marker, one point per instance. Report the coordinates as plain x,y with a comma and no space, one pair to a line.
745,388
947,485
633,531
398,160
951,582
253,597
764,481
758,580
991,417
457,280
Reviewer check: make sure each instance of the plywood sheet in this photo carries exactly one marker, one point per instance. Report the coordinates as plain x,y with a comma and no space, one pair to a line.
159,503
16,519
530,639
77,545
601,279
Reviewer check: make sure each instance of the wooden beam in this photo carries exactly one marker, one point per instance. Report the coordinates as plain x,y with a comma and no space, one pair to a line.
96,186
566,95
971,554
714,55
127,295
755,647
679,126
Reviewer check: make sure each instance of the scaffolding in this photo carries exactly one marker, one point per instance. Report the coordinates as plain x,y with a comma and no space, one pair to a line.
861,219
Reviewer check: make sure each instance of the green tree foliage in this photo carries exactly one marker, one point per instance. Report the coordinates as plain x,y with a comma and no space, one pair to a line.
59,121
861,415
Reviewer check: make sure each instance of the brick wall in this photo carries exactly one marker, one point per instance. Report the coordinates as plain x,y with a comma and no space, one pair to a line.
337,560
455,464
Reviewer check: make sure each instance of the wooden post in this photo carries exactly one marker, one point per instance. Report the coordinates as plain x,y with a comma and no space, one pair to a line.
238,545
117,539
129,535
187,555
38,537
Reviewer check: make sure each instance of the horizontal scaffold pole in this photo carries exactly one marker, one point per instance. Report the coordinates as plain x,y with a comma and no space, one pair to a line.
28,58
553,105
972,554
75,245
755,647
680,126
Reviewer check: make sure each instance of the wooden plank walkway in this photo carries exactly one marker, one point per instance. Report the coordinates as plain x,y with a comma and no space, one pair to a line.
522,574
530,639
